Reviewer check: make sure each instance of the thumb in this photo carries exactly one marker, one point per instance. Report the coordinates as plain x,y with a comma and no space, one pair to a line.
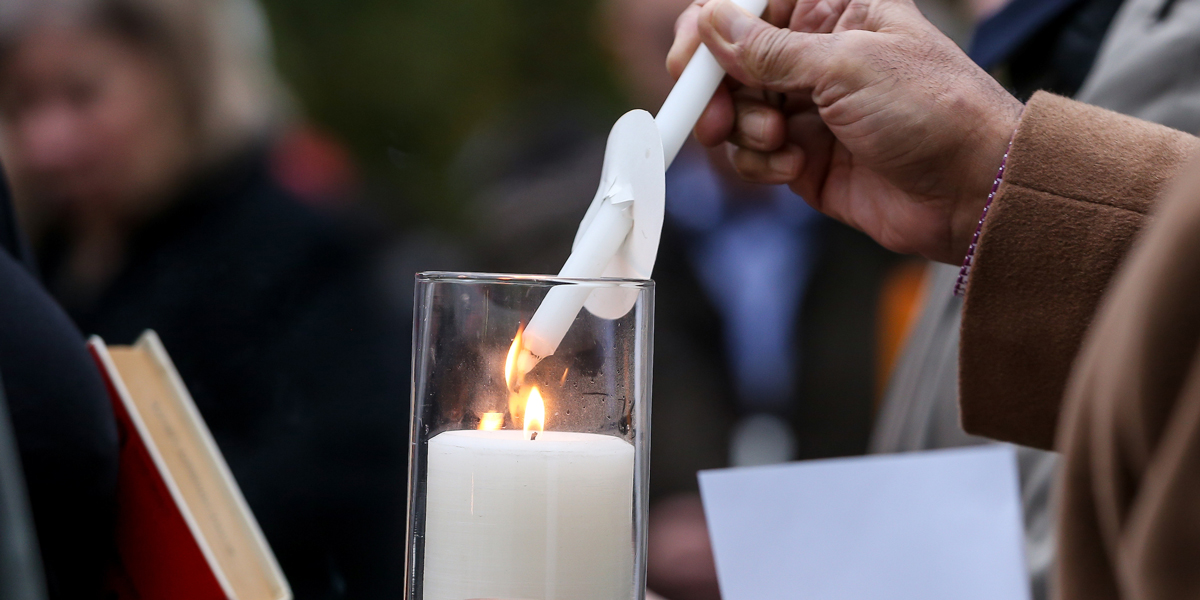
760,55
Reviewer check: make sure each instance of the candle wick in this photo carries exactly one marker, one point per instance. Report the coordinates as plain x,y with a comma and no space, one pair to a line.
533,436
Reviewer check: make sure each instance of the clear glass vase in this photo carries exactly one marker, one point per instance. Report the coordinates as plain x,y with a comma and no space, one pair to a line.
527,480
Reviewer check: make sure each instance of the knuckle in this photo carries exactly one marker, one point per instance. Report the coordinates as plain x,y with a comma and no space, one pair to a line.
856,15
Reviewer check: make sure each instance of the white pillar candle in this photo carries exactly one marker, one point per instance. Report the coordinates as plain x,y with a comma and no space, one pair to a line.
543,519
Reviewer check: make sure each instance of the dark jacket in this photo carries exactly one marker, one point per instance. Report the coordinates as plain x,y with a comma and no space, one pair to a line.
63,423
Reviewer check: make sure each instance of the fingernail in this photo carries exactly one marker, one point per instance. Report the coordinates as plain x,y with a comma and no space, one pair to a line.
731,22
783,162
754,125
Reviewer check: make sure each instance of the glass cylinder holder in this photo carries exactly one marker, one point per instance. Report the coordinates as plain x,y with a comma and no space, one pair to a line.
527,483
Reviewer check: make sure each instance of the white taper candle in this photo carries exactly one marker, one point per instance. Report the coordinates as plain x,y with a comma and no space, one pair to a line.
692,92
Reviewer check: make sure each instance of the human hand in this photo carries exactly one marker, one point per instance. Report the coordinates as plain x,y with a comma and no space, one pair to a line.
863,107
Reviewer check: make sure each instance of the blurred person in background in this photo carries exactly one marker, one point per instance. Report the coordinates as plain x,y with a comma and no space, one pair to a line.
140,136
1125,56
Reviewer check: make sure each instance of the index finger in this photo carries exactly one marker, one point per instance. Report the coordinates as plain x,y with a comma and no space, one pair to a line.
687,39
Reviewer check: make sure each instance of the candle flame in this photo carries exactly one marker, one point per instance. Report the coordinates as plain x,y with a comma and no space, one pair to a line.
512,374
535,413
491,421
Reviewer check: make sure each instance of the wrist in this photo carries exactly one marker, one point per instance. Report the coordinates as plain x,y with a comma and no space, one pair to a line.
990,154
964,273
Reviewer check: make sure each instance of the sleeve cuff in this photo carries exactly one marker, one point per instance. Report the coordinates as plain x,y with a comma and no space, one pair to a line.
1079,183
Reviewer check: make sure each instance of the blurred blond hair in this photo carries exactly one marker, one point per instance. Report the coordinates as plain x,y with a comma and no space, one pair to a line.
219,52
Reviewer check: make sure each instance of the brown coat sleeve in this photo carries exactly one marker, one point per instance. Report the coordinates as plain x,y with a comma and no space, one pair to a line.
1079,183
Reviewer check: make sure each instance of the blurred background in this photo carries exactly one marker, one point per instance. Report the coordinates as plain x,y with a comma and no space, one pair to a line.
404,85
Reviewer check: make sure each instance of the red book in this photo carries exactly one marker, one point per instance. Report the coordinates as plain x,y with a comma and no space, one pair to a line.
184,531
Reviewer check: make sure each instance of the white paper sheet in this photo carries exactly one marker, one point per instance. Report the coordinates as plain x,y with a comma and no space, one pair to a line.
933,525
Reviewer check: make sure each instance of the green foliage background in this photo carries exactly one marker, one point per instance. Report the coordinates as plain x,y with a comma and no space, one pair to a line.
404,82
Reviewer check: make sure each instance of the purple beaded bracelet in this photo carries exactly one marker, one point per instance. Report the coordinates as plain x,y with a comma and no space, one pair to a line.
960,286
